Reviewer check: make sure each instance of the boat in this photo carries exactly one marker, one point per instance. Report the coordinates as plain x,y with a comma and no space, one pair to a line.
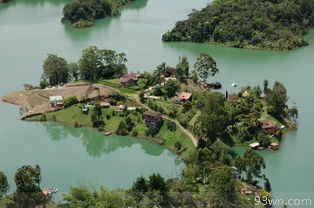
234,84
50,191
107,133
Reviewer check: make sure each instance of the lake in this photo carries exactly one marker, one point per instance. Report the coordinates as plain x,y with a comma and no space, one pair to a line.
30,29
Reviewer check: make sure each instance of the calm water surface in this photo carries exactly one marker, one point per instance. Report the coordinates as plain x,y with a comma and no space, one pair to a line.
31,28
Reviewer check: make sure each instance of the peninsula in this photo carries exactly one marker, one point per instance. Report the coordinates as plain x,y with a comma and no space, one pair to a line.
173,106
252,24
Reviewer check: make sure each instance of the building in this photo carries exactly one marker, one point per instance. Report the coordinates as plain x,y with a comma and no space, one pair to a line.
120,109
28,87
249,189
274,146
245,94
232,98
182,97
269,126
152,118
254,145
170,71
105,105
56,101
130,79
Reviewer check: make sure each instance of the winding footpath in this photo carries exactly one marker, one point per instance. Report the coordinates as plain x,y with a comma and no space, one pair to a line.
187,132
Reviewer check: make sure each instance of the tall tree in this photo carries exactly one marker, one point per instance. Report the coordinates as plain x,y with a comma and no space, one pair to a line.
4,185
251,164
277,100
205,66
28,193
55,70
74,71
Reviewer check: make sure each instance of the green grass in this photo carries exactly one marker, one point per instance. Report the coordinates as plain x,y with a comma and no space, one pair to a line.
74,114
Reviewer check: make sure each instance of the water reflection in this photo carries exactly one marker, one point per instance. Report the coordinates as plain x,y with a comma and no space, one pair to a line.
101,25
97,144
33,3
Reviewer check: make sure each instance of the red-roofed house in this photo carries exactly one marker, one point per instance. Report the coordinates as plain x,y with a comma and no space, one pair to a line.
184,96
130,79
269,126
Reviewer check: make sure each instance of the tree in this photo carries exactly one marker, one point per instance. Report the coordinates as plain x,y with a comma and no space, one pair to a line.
277,100
265,86
97,116
205,66
142,97
96,64
74,71
90,64
157,183
122,129
214,118
55,70
182,68
140,185
70,101
251,164
293,113
4,185
28,193
158,90
223,183
171,87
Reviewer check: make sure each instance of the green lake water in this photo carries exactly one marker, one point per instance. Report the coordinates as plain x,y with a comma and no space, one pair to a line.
29,29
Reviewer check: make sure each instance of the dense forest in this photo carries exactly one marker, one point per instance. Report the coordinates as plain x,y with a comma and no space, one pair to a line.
255,24
4,1
84,13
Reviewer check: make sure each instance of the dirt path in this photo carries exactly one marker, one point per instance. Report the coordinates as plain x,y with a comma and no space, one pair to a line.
187,132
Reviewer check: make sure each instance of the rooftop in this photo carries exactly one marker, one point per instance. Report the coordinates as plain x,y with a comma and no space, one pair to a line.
152,113
185,95
130,76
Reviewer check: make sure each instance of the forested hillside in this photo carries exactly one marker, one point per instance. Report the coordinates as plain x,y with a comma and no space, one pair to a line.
256,24
83,13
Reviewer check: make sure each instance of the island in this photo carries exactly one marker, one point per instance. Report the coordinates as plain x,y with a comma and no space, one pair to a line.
173,106
252,24
84,13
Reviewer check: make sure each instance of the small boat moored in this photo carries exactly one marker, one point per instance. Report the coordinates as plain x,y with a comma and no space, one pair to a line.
50,191
107,133
234,84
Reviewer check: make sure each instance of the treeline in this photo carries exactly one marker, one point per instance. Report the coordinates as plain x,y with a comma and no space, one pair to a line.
84,13
94,64
254,24
208,179
4,1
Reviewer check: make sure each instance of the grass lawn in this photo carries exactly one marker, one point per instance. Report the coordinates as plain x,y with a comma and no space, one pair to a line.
74,115
115,83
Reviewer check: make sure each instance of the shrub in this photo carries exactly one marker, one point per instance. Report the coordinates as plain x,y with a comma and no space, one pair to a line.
70,101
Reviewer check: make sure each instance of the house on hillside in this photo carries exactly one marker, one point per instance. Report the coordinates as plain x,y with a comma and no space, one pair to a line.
170,71
152,118
182,97
130,79
105,104
56,101
269,126
120,109
249,189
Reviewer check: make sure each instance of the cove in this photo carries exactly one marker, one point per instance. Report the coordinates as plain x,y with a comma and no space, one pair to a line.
31,28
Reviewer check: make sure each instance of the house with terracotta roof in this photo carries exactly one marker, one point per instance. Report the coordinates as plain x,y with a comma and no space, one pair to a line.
169,72
269,126
152,118
130,79
182,97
